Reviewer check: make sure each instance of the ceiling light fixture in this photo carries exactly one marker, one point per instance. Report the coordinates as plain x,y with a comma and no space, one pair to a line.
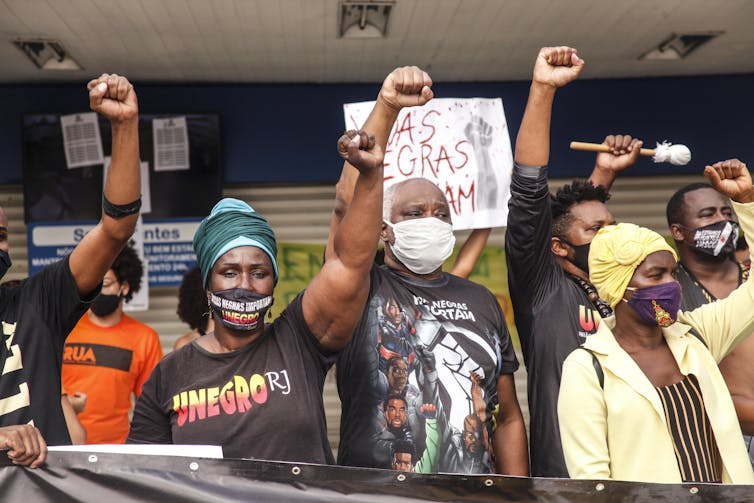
680,45
47,54
364,19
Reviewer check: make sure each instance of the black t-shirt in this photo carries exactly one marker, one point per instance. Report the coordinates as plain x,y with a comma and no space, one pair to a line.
263,401
422,343
37,315
553,313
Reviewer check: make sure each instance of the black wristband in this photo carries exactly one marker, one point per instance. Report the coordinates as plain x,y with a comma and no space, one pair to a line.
120,210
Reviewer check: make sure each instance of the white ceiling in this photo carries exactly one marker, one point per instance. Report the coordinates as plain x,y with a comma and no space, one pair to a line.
296,40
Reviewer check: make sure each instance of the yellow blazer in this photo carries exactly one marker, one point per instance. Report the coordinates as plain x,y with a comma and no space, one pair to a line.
620,432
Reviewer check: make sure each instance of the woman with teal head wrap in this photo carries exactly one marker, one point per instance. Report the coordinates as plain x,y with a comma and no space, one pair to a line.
232,223
256,389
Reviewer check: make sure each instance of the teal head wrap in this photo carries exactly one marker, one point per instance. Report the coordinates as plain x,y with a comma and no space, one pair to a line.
230,224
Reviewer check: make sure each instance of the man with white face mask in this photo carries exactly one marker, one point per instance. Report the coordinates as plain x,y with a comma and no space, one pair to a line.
456,327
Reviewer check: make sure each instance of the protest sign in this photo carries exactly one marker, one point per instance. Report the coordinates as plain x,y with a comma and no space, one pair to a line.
462,145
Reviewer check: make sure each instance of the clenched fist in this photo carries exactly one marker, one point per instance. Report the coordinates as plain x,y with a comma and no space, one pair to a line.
557,66
114,97
408,86
360,150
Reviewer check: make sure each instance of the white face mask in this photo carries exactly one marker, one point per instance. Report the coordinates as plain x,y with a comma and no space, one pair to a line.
422,244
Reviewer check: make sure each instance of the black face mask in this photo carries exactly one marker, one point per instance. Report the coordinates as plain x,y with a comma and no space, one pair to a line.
5,263
580,255
103,305
240,309
718,239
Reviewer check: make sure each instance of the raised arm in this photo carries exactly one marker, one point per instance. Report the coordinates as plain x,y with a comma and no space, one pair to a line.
113,97
624,151
554,68
405,87
528,235
335,299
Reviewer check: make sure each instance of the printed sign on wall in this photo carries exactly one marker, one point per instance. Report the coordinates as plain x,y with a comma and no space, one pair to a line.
168,251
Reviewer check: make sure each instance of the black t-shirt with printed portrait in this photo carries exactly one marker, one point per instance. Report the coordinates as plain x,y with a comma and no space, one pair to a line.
37,315
553,313
262,401
441,344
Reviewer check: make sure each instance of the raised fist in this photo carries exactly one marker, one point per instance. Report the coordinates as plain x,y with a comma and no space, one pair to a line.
557,66
408,86
360,150
731,178
114,97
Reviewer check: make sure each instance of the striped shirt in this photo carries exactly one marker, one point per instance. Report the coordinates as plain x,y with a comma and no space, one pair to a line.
694,443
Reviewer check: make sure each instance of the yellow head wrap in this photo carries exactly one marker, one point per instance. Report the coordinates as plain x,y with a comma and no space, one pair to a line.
615,253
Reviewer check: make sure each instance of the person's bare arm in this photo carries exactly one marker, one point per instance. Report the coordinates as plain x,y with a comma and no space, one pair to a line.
554,68
113,97
739,376
509,438
335,298
470,252
404,87
75,429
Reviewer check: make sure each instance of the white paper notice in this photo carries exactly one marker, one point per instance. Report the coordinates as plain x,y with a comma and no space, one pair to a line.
146,195
171,145
462,145
81,140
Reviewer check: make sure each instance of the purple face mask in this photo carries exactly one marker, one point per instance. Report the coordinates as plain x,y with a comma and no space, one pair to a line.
657,305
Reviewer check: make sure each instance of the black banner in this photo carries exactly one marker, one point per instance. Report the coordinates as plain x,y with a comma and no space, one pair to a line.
78,476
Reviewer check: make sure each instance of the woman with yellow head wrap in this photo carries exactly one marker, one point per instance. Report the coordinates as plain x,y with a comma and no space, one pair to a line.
252,388
646,401
616,252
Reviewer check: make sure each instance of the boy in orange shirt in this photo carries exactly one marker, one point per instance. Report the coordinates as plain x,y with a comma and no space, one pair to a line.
109,355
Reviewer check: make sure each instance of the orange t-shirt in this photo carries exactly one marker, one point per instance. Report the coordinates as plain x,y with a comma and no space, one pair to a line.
108,364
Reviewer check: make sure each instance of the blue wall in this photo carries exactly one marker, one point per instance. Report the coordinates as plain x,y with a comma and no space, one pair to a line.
287,133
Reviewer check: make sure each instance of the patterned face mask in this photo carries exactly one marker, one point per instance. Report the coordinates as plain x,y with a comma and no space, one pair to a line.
657,305
717,239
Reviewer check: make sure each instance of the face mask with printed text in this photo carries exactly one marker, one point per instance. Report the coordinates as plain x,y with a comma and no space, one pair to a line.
717,239
240,309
